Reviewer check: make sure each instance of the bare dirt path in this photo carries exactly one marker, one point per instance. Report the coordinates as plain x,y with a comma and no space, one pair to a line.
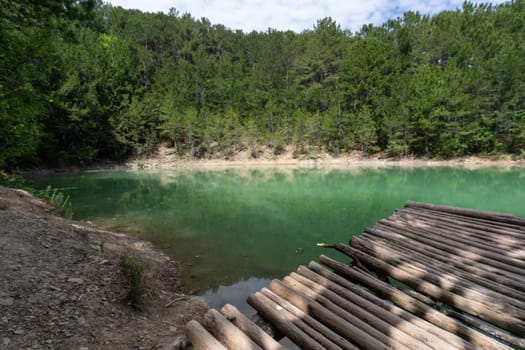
61,286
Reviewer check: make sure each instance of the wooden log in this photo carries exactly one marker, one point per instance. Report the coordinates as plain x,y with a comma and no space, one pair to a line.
345,308
506,321
200,338
414,306
518,229
471,267
332,320
389,230
480,229
389,227
419,296
481,214
485,327
274,313
326,343
312,322
227,333
266,326
512,295
482,234
442,237
446,277
465,238
255,333
393,325
441,334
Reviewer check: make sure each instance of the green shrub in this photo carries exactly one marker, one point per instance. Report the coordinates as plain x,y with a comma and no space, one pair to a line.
53,196
134,275
57,199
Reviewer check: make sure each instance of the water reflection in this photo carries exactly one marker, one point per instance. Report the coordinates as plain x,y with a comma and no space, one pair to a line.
246,225
235,294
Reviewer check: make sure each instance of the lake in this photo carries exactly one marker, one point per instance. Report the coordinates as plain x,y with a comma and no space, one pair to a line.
234,230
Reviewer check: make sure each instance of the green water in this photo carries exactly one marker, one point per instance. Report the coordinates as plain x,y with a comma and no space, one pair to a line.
234,230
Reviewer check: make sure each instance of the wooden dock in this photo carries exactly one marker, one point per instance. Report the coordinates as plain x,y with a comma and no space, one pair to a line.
427,277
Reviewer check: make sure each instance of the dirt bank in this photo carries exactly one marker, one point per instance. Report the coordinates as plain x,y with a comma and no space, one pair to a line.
61,285
167,158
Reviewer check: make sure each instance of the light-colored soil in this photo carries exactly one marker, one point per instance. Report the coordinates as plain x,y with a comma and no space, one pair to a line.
61,286
167,158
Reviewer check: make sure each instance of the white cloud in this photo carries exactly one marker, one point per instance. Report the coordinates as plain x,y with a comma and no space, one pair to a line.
296,15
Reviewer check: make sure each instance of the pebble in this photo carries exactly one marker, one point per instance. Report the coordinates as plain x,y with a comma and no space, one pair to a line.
6,341
6,301
75,280
181,342
19,331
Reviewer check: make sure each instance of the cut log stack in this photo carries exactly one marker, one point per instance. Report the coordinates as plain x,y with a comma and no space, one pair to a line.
229,329
465,272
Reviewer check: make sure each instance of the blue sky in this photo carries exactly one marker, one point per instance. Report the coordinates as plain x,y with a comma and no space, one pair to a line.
295,15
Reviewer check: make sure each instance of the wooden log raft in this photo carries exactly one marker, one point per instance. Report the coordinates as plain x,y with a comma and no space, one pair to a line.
344,308
442,336
387,229
480,214
510,229
388,323
484,271
445,276
275,314
362,338
315,281
506,236
445,253
508,321
414,306
504,262
312,322
443,234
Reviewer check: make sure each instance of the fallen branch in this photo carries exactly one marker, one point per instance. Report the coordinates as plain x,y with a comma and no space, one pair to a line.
176,300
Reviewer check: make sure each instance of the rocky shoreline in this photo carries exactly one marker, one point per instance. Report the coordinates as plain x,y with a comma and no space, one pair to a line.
168,159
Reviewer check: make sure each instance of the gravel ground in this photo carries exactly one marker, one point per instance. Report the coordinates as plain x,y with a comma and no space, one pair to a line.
61,286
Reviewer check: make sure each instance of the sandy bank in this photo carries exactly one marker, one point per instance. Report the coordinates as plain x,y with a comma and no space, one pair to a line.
167,158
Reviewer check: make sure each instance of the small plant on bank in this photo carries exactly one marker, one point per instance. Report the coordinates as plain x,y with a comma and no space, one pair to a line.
58,200
51,195
134,275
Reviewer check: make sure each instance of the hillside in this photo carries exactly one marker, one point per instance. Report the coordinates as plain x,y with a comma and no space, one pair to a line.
83,81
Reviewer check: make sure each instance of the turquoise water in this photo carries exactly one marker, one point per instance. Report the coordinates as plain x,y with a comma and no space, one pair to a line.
234,230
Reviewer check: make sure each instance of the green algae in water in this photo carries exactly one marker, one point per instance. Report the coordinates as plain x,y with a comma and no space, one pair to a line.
234,230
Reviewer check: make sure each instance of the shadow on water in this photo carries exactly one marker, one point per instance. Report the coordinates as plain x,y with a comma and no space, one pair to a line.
237,228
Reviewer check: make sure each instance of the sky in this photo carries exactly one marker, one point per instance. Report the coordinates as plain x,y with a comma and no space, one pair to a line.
296,15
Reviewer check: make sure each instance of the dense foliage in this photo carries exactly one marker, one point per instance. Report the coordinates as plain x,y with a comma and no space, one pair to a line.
82,81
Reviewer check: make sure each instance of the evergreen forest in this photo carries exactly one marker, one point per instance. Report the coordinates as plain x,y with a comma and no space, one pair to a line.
83,81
